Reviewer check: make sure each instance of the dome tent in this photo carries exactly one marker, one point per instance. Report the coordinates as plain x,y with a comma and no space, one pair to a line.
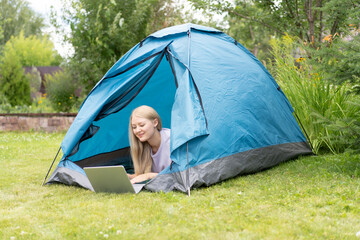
227,114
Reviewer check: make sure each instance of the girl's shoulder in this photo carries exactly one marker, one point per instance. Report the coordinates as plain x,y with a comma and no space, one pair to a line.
166,131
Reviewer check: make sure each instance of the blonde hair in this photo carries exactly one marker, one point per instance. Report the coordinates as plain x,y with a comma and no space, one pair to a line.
141,151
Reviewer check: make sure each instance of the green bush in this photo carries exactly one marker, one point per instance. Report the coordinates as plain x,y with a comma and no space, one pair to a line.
61,91
41,104
346,129
13,83
319,104
3,99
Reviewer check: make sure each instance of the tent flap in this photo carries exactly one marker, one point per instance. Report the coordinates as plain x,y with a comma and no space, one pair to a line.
187,112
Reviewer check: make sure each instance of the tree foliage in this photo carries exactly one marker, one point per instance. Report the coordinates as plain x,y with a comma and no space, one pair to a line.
102,31
340,59
17,16
32,51
254,22
164,13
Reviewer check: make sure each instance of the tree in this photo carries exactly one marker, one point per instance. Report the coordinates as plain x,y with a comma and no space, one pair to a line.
251,34
32,50
102,31
17,16
310,20
164,13
340,60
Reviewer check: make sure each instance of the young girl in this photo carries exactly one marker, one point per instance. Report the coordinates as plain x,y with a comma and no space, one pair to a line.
149,144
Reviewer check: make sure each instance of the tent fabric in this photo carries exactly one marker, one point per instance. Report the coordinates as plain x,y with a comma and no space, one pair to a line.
69,173
247,162
227,114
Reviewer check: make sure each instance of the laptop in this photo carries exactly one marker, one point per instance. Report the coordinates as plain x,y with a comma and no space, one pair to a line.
112,179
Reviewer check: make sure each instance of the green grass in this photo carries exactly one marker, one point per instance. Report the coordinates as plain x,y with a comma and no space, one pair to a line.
314,197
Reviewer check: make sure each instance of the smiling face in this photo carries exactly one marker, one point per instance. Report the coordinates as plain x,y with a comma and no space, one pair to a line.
143,128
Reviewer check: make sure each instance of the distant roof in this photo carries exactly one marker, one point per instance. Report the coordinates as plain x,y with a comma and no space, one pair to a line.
43,70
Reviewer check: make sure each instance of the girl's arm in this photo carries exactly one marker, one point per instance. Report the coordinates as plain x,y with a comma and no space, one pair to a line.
143,177
131,176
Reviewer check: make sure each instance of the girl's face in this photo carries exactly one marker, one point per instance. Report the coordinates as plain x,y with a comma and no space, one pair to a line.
143,128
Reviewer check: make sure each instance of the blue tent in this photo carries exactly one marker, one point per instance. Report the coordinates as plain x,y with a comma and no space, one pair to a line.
227,114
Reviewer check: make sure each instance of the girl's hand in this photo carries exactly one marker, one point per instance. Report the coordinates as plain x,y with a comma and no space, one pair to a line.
131,176
143,177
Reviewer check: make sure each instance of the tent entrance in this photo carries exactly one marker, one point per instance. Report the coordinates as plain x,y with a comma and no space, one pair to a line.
118,157
110,145
162,83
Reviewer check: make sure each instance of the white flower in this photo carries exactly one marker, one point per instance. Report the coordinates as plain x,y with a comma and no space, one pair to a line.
121,22
106,235
118,232
358,234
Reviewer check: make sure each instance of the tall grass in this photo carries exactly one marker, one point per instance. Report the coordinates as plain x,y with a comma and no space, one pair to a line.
348,128
319,104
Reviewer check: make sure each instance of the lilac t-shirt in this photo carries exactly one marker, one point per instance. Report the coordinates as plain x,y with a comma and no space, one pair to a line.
161,159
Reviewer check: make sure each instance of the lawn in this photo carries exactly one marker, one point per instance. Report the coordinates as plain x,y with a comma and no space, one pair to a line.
315,197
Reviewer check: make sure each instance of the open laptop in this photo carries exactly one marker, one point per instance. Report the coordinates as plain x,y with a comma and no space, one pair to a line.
112,179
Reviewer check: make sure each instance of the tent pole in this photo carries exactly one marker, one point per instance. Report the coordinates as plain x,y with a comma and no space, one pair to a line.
51,166
297,117
187,143
188,170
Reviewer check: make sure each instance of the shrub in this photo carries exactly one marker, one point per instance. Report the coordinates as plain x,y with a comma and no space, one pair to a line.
316,101
41,104
3,99
61,91
13,83
345,131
